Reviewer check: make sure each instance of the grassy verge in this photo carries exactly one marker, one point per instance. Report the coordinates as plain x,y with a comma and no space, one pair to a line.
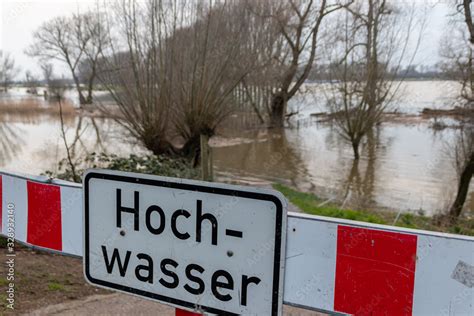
311,204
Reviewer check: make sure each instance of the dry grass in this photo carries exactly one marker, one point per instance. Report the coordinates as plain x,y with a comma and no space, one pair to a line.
35,106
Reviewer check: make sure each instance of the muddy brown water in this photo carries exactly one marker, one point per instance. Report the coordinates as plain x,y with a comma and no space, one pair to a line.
404,166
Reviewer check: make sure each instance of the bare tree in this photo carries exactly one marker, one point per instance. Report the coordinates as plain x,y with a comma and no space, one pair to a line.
298,23
464,159
136,71
468,78
173,75
8,70
69,154
265,47
208,65
98,40
369,45
465,7
73,40
56,86
47,70
459,53
31,82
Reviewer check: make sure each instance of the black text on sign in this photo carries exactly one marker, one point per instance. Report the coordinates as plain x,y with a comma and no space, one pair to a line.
219,249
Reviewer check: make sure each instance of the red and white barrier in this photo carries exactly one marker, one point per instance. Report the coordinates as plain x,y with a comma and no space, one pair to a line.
332,265
45,215
364,269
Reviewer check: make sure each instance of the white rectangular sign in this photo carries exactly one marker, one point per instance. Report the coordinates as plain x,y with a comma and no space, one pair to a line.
195,245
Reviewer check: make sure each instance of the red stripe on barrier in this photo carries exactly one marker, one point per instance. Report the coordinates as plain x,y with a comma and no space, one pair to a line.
44,215
375,272
1,203
181,312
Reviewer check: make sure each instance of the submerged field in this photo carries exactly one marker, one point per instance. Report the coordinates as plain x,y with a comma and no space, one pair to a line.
405,165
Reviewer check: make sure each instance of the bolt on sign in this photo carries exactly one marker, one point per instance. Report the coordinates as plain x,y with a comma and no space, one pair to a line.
214,248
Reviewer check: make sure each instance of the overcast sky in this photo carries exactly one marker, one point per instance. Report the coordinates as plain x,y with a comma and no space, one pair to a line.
20,18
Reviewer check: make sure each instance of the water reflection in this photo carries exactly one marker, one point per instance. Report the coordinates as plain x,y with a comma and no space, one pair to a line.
76,142
10,141
360,186
403,166
39,144
262,154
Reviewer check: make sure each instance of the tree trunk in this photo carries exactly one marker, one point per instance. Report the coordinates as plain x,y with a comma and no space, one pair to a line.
89,94
355,148
192,149
90,85
463,188
468,18
206,166
278,108
353,174
191,146
158,146
82,99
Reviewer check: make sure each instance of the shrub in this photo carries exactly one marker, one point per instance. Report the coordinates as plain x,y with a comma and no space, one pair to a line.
150,164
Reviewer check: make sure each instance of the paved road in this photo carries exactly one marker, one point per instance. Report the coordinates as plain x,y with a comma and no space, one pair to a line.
121,304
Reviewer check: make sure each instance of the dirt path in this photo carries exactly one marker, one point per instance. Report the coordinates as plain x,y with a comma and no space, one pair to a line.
43,279
47,284
121,304
112,304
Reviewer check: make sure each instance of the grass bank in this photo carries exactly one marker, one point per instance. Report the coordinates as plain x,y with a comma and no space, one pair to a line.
311,204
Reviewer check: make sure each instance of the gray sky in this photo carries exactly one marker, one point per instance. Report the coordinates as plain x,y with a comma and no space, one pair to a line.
20,18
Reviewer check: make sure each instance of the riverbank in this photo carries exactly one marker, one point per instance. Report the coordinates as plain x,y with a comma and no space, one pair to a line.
311,204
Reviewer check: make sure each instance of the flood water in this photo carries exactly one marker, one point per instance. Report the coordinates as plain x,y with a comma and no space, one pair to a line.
404,166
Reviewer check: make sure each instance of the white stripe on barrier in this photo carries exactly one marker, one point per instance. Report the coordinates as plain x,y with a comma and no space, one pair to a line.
437,260
332,265
14,195
311,246
71,217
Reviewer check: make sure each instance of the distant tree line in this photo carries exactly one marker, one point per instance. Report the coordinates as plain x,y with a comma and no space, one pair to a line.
439,71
